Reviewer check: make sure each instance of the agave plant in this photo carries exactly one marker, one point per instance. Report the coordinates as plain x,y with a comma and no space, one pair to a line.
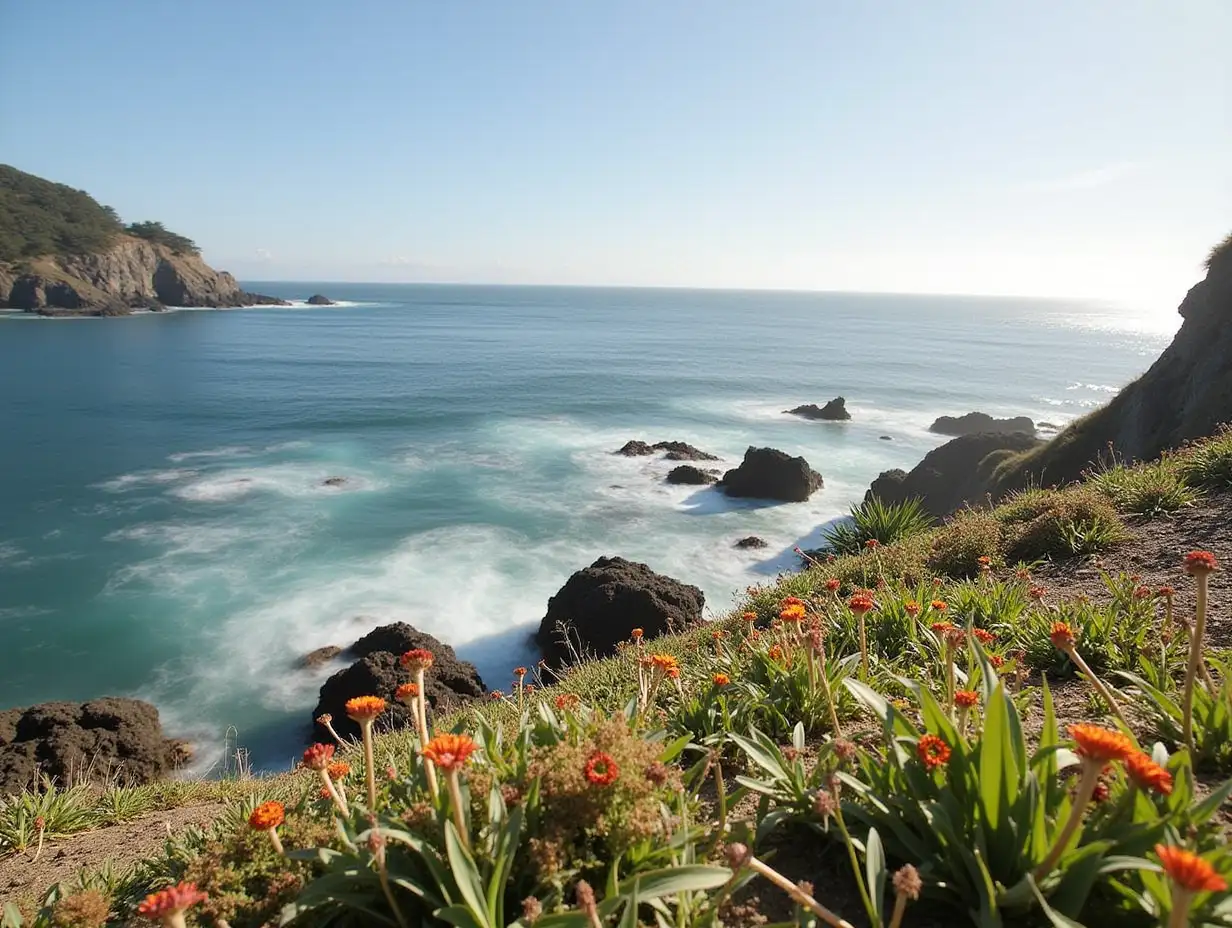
873,520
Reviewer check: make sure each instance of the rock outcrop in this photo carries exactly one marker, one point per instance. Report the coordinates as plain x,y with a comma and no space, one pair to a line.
980,422
600,605
131,273
319,299
378,672
105,738
675,450
751,541
318,657
833,411
957,472
767,473
693,476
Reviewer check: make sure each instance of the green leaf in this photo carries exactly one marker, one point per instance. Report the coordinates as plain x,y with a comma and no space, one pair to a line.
766,759
1058,920
670,880
466,875
458,915
674,749
629,918
1211,804
564,920
875,871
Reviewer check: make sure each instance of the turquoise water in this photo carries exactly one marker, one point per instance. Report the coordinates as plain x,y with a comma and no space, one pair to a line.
164,530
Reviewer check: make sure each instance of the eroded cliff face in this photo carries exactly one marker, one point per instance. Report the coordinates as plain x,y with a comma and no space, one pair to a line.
131,273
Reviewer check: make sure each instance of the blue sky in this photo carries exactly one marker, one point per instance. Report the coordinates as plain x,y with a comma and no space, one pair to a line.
1058,148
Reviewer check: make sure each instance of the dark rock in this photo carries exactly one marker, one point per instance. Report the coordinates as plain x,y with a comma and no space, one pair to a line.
833,411
448,684
334,482
767,473
318,657
980,422
885,438
957,472
104,738
752,541
600,605
682,451
694,476
319,299
634,449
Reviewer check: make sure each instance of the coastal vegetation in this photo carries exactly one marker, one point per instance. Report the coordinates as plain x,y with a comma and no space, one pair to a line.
39,217
923,729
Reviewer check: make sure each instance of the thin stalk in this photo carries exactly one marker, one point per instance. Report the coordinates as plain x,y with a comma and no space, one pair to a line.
429,767
1086,789
369,763
863,649
900,906
720,793
825,685
949,678
382,873
276,841
1104,692
856,870
455,799
797,893
1182,899
1195,657
335,793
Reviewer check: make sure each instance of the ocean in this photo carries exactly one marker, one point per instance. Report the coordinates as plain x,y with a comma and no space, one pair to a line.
166,532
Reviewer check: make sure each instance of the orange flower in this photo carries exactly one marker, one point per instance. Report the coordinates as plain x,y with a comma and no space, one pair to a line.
1189,871
1143,592
775,653
872,543
833,584
982,636
339,770
496,695
912,608
938,605
417,659
965,699
637,633
1037,592
1061,636
932,751
318,756
365,708
996,660
794,612
1166,592
600,769
449,751
519,672
406,692
717,634
860,603
749,617
1100,744
1147,774
170,901
721,679
940,628
266,816
984,561
567,701
791,601
1199,562
666,663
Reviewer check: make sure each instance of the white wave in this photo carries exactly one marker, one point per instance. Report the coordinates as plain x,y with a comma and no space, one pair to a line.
21,612
10,551
230,451
289,480
1094,387
145,478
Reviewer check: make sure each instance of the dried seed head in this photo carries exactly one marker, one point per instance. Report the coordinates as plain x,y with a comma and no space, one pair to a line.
737,855
907,882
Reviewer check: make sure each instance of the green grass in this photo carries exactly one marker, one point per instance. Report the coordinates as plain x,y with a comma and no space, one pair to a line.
1147,490
875,521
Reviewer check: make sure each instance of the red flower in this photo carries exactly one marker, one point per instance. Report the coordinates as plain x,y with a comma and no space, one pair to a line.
1100,744
1199,563
1147,774
1189,871
601,770
449,751
775,653
406,692
1166,592
318,756
984,561
566,701
1100,793
338,770
965,699
933,751
519,672
860,603
1143,592
938,605
721,679
749,617
266,816
996,660
941,628
417,659
1061,636
1037,593
982,636
912,608
179,897
637,633
791,601
833,584
872,543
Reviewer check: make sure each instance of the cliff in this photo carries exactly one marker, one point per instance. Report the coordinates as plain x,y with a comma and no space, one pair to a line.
130,272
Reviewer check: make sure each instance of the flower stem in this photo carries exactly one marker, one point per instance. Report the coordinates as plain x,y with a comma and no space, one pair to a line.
1195,657
825,686
335,793
276,841
856,870
455,798
863,649
369,764
1182,899
900,906
1086,789
422,707
797,894
1096,682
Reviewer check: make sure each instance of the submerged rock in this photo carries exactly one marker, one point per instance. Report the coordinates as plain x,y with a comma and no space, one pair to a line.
688,474
751,541
377,672
976,422
885,438
767,473
319,299
318,657
600,605
634,449
103,739
833,411
334,482
676,450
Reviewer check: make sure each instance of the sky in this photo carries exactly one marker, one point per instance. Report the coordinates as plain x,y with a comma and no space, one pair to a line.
1076,148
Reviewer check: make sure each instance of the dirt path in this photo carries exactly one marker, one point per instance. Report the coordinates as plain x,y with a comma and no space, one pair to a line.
21,877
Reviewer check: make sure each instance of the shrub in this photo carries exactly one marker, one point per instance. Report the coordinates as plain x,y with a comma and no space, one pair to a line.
1208,464
873,520
959,544
1148,490
155,232
1051,524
